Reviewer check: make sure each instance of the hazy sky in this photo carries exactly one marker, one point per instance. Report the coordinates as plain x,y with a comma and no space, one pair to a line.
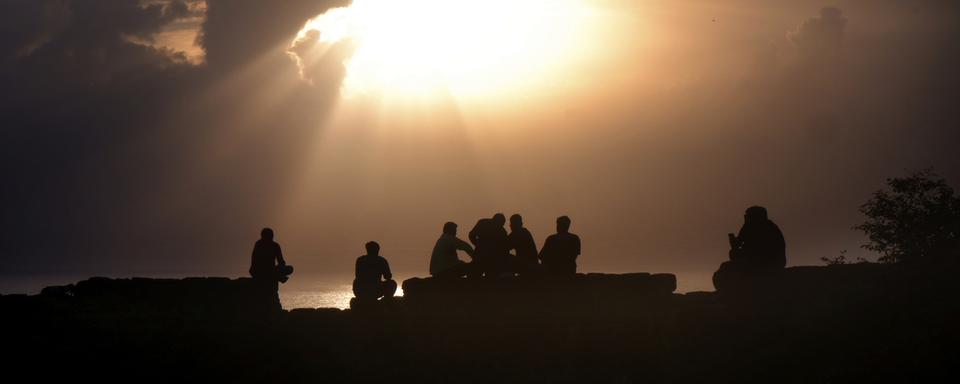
156,136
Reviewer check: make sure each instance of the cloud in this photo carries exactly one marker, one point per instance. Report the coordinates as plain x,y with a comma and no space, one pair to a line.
820,34
237,31
104,128
73,45
319,62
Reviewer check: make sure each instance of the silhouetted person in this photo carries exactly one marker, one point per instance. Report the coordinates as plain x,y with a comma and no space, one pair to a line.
492,246
444,262
267,267
373,278
560,251
523,245
759,248
759,243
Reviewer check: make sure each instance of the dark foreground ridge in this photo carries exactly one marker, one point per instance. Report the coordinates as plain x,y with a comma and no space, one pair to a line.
842,323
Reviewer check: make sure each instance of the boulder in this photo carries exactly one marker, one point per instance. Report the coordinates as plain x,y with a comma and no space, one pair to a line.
581,289
218,296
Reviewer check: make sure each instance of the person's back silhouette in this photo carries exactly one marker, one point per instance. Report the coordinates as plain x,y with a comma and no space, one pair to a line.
267,267
370,269
759,248
490,240
560,251
525,248
443,261
760,243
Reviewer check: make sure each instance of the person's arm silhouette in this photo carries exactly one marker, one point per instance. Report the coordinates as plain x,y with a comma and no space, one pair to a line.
512,243
474,233
464,246
280,260
734,242
576,244
544,254
357,269
531,243
387,275
253,259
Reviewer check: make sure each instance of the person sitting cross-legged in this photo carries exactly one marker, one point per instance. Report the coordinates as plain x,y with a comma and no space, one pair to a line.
526,260
373,278
491,256
757,253
560,251
444,262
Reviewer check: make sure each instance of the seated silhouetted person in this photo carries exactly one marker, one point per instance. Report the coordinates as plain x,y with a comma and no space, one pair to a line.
560,251
373,278
444,262
492,247
521,241
267,267
758,249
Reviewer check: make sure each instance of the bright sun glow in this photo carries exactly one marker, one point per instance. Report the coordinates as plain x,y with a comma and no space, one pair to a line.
460,48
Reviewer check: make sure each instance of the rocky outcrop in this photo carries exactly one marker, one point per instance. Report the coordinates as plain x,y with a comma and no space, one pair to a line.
808,280
591,288
200,296
847,323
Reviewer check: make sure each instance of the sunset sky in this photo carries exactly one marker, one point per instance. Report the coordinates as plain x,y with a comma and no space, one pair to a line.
160,136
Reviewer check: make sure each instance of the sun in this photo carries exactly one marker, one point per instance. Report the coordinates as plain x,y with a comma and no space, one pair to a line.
459,48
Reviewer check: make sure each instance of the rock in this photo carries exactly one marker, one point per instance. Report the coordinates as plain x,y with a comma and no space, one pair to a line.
57,291
197,296
582,289
824,324
314,311
385,304
831,286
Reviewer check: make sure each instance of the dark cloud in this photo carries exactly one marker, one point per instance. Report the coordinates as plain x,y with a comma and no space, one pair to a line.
103,132
74,44
26,25
236,32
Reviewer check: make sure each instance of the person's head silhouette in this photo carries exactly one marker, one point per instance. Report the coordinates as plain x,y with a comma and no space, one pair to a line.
266,234
500,219
373,249
563,224
450,228
755,213
516,222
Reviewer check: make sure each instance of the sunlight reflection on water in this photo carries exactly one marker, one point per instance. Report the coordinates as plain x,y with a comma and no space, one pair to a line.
333,297
338,298
320,292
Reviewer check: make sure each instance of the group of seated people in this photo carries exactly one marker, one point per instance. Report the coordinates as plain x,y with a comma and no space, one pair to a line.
491,246
758,248
489,253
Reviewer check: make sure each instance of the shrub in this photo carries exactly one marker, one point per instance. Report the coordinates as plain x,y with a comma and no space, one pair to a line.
916,219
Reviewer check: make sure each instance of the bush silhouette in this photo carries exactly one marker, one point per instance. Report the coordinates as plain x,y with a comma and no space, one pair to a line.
916,220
